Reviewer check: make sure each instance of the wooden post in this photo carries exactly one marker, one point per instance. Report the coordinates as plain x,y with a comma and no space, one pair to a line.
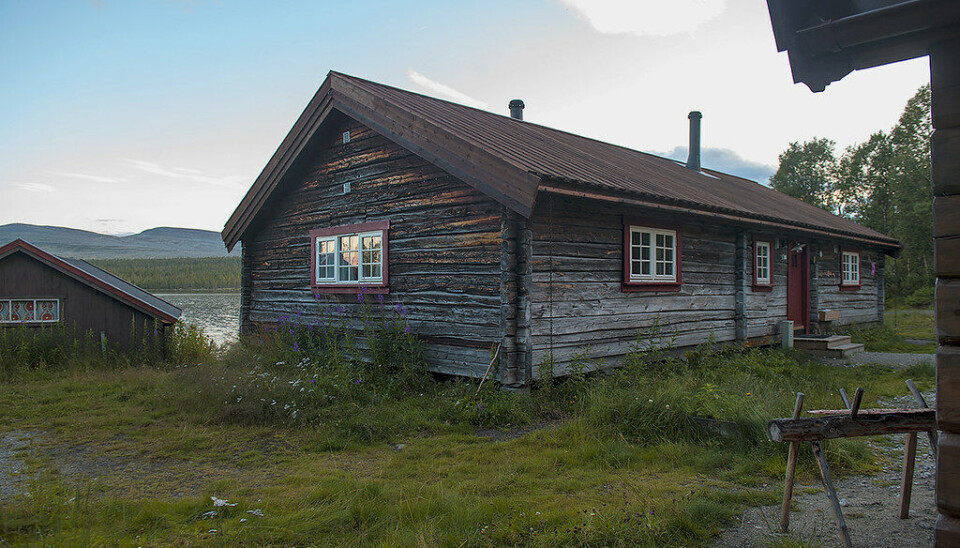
791,471
855,407
906,484
845,398
831,492
932,433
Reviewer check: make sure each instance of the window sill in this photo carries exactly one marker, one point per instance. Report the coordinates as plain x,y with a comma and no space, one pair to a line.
762,288
850,287
630,287
349,289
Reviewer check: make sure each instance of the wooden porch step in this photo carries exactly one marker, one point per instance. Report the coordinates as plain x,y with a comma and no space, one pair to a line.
820,342
838,351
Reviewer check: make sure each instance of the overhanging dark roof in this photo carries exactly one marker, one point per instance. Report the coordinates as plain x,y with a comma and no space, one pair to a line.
512,160
100,280
827,39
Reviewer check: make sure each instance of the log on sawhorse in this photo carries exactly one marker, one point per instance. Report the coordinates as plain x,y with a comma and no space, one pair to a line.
850,422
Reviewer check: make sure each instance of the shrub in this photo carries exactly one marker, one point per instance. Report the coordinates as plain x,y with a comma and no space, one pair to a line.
921,298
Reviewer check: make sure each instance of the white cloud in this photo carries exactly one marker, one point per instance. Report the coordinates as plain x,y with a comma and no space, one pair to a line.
646,17
34,187
445,91
86,177
196,176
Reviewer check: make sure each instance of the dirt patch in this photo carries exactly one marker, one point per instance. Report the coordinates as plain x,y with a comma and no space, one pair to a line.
25,454
14,447
496,434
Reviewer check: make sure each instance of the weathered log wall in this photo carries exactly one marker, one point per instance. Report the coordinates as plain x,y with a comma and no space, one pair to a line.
580,312
862,305
444,245
579,308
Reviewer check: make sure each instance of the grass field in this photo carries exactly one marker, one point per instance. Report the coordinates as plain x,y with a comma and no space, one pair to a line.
898,325
132,457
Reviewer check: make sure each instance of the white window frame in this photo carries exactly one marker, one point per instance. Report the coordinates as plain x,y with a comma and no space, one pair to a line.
652,260
850,268
9,304
338,264
768,278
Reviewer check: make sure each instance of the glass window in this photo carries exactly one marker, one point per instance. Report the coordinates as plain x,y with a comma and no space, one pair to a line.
762,263
349,258
29,311
851,268
653,255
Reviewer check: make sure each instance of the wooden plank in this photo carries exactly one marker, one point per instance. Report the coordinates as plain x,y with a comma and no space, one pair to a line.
948,310
867,423
948,473
831,492
790,472
946,252
922,404
944,144
906,482
948,388
946,210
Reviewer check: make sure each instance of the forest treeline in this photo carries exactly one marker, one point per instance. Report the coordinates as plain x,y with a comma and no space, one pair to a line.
171,274
883,184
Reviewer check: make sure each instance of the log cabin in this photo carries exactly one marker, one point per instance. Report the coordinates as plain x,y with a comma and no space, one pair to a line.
39,289
498,232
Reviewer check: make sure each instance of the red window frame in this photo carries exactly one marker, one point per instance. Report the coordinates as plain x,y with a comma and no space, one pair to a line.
856,286
346,288
629,285
757,285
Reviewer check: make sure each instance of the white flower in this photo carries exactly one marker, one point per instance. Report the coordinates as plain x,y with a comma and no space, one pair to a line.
222,502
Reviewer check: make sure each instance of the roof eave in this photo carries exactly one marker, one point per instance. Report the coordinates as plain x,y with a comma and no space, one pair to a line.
58,264
890,246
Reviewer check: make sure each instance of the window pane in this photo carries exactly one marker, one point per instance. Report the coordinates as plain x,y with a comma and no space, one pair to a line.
348,273
668,269
635,238
4,311
646,268
21,311
645,238
660,240
660,269
635,267
48,311
645,253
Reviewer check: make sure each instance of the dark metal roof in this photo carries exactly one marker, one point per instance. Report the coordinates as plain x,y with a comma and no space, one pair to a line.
101,280
513,160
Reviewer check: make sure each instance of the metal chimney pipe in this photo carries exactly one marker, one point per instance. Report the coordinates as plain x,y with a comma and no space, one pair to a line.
693,157
516,109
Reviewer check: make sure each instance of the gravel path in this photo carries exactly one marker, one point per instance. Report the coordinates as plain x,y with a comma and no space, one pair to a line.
885,358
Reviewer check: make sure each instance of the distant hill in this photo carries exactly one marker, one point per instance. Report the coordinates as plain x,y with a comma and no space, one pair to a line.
161,242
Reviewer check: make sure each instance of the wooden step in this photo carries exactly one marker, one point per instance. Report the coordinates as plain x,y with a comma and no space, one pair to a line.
820,343
839,351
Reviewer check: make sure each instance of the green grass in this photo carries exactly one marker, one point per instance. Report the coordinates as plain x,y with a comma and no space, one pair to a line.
898,325
604,461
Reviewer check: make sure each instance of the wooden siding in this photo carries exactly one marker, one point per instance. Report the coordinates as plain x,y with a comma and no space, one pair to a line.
579,309
445,245
578,305
862,305
81,306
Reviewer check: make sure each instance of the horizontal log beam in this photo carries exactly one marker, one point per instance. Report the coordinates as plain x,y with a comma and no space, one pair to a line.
869,422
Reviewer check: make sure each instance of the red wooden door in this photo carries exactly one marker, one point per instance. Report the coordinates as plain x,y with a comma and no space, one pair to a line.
798,286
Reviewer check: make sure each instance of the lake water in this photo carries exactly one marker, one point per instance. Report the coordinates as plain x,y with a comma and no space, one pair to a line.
218,314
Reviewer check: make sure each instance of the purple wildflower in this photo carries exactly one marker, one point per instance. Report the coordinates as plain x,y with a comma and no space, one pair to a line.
296,347
358,381
340,309
380,298
313,381
406,330
360,296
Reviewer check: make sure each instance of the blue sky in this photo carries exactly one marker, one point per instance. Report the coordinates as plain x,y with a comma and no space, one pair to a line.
124,115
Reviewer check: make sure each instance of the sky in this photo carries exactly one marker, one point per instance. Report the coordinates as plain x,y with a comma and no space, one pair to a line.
118,116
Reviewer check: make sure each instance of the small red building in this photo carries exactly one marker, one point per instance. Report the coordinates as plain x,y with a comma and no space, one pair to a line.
38,288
